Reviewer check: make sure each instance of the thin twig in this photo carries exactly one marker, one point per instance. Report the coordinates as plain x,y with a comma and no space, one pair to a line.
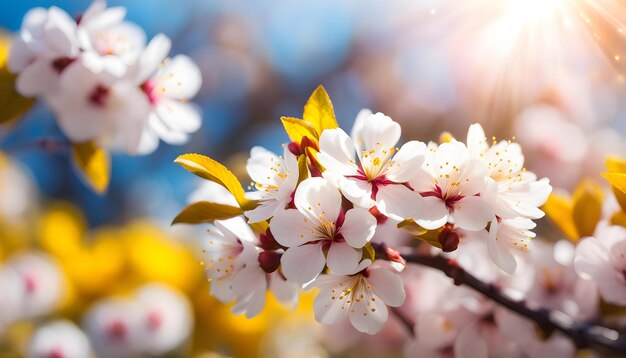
583,334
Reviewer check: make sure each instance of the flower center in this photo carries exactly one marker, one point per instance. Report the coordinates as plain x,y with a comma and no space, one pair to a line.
99,96
149,89
449,200
116,330
61,63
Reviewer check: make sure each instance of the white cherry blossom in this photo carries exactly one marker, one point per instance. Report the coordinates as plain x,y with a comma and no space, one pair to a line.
232,264
59,339
275,178
96,106
519,193
44,48
318,233
165,319
450,182
602,259
362,296
103,31
111,325
168,85
506,236
369,168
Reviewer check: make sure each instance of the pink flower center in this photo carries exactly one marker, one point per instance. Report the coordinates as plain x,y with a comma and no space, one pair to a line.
448,200
155,320
56,352
149,88
99,96
30,283
377,182
61,63
116,330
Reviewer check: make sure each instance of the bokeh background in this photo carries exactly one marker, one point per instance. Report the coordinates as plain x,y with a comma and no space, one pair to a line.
552,80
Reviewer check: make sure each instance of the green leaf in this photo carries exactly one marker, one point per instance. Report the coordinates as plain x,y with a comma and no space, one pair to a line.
12,104
204,212
319,111
93,165
297,129
214,171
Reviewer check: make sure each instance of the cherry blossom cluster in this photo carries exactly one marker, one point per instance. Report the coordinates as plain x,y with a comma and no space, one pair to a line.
103,81
317,206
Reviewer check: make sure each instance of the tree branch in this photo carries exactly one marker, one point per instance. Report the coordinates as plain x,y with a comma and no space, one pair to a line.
583,334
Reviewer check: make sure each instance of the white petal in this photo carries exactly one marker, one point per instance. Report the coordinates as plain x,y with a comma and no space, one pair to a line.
285,292
470,344
260,164
472,213
318,199
357,127
20,55
337,152
398,202
329,308
264,211
343,259
434,213
164,132
369,316
388,286
237,227
476,140
148,143
499,252
60,33
152,56
359,192
407,162
291,228
182,117
37,78
301,264
379,131
179,79
358,227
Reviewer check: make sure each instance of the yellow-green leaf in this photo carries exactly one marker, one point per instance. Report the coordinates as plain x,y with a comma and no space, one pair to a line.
297,128
12,104
431,237
615,165
559,209
303,168
212,170
368,252
619,218
617,180
319,111
204,212
587,207
93,164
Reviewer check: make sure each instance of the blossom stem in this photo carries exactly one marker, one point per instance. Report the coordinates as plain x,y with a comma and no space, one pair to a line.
583,334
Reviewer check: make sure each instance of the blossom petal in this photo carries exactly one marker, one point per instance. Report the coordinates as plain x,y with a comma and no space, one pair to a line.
407,162
153,55
179,79
343,259
358,227
369,315
301,264
398,202
434,213
499,252
337,152
37,78
472,213
181,117
388,286
328,308
318,199
291,228
469,344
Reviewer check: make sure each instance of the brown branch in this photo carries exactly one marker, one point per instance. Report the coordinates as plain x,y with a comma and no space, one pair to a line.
582,334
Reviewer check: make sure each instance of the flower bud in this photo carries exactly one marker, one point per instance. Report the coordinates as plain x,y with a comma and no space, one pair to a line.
448,239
